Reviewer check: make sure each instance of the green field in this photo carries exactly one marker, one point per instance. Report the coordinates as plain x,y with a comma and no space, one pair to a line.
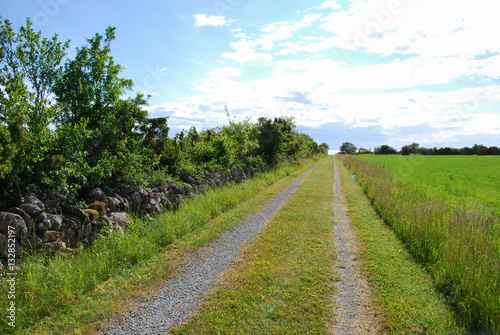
445,211
462,180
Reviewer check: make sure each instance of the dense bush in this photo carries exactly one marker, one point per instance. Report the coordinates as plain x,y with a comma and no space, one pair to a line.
65,128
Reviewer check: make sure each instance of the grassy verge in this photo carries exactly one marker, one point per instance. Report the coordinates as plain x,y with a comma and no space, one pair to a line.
459,245
402,289
76,293
282,282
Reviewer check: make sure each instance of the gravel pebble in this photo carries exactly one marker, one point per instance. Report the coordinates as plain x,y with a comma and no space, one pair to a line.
179,298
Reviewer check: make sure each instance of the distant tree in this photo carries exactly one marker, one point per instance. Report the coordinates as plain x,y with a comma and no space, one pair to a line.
363,151
323,148
348,148
479,149
494,150
385,150
409,149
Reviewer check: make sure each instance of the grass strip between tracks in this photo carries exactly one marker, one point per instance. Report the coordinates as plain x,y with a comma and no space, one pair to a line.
283,281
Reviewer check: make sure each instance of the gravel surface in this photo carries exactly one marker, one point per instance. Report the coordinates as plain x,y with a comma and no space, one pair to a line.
354,312
178,299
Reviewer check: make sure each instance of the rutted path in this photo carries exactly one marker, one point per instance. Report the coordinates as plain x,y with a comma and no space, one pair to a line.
354,314
177,300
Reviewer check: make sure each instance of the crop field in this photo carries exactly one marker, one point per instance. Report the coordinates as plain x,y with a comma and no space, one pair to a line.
470,181
445,210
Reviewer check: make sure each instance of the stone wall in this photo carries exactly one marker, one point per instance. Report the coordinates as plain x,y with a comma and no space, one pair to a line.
41,230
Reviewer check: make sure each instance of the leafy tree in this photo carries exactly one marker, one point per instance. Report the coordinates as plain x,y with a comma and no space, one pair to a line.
385,150
89,92
91,85
348,148
7,151
244,136
29,67
409,149
270,140
323,148
363,151
479,149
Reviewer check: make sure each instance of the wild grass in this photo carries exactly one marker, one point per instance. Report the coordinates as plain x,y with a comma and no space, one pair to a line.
65,293
283,281
401,288
459,245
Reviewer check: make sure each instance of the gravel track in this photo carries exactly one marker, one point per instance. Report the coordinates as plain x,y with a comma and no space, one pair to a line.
354,312
178,299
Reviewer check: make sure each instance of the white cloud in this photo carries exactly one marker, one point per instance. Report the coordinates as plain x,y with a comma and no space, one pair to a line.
364,84
245,52
330,4
426,27
212,20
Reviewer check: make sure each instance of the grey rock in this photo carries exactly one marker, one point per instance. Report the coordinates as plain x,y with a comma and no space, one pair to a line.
130,189
135,198
175,199
153,207
70,237
40,218
124,203
27,219
40,229
56,222
120,218
166,203
13,220
32,206
189,180
71,221
95,194
77,212
144,193
113,203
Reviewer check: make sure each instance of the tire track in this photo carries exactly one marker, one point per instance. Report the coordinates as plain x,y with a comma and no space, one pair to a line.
354,311
176,301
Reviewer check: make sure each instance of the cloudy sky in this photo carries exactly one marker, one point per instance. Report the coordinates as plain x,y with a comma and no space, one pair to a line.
369,72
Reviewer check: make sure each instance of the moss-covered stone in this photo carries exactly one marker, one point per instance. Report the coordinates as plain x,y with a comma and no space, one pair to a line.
98,206
93,214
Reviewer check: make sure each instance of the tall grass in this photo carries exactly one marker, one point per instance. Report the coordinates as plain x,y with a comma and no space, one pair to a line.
47,286
460,245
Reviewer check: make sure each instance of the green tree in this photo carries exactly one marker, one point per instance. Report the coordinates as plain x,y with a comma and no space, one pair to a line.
348,148
89,92
29,67
385,150
409,149
90,85
323,148
245,141
270,140
363,151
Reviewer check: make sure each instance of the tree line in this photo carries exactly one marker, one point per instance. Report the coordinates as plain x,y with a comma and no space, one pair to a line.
66,126
415,149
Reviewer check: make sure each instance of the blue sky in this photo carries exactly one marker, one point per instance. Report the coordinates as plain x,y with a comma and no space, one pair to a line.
369,72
